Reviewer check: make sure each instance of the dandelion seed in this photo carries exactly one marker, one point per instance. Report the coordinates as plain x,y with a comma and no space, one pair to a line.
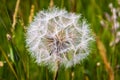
56,35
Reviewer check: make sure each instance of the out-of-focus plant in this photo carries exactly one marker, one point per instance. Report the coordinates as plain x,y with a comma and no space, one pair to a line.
112,23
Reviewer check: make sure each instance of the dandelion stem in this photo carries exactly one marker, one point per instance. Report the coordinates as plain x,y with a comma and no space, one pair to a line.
56,72
72,74
56,75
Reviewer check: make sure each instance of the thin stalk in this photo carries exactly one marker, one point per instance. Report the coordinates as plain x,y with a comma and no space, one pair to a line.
102,51
46,74
9,63
56,72
62,3
56,75
15,15
51,3
72,74
73,5
31,13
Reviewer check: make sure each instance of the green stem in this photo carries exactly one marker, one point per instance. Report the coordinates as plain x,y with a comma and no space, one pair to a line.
62,3
10,65
56,72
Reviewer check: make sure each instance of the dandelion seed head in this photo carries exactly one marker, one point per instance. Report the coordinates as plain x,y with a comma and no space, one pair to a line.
56,35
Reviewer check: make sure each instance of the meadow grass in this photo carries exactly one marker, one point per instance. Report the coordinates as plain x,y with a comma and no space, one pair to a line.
103,63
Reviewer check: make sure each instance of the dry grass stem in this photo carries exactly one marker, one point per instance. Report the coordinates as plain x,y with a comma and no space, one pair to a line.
15,14
31,13
9,63
102,52
51,3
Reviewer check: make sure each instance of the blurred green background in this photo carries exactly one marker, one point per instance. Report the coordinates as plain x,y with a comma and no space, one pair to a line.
16,63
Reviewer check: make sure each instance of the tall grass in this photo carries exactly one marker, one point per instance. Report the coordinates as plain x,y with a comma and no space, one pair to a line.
17,63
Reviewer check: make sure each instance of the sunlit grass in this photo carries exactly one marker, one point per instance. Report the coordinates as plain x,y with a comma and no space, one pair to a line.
17,63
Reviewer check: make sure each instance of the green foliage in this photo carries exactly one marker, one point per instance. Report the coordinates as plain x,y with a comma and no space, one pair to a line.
18,65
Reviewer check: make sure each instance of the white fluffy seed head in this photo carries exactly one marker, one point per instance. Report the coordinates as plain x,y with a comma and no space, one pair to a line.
58,36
